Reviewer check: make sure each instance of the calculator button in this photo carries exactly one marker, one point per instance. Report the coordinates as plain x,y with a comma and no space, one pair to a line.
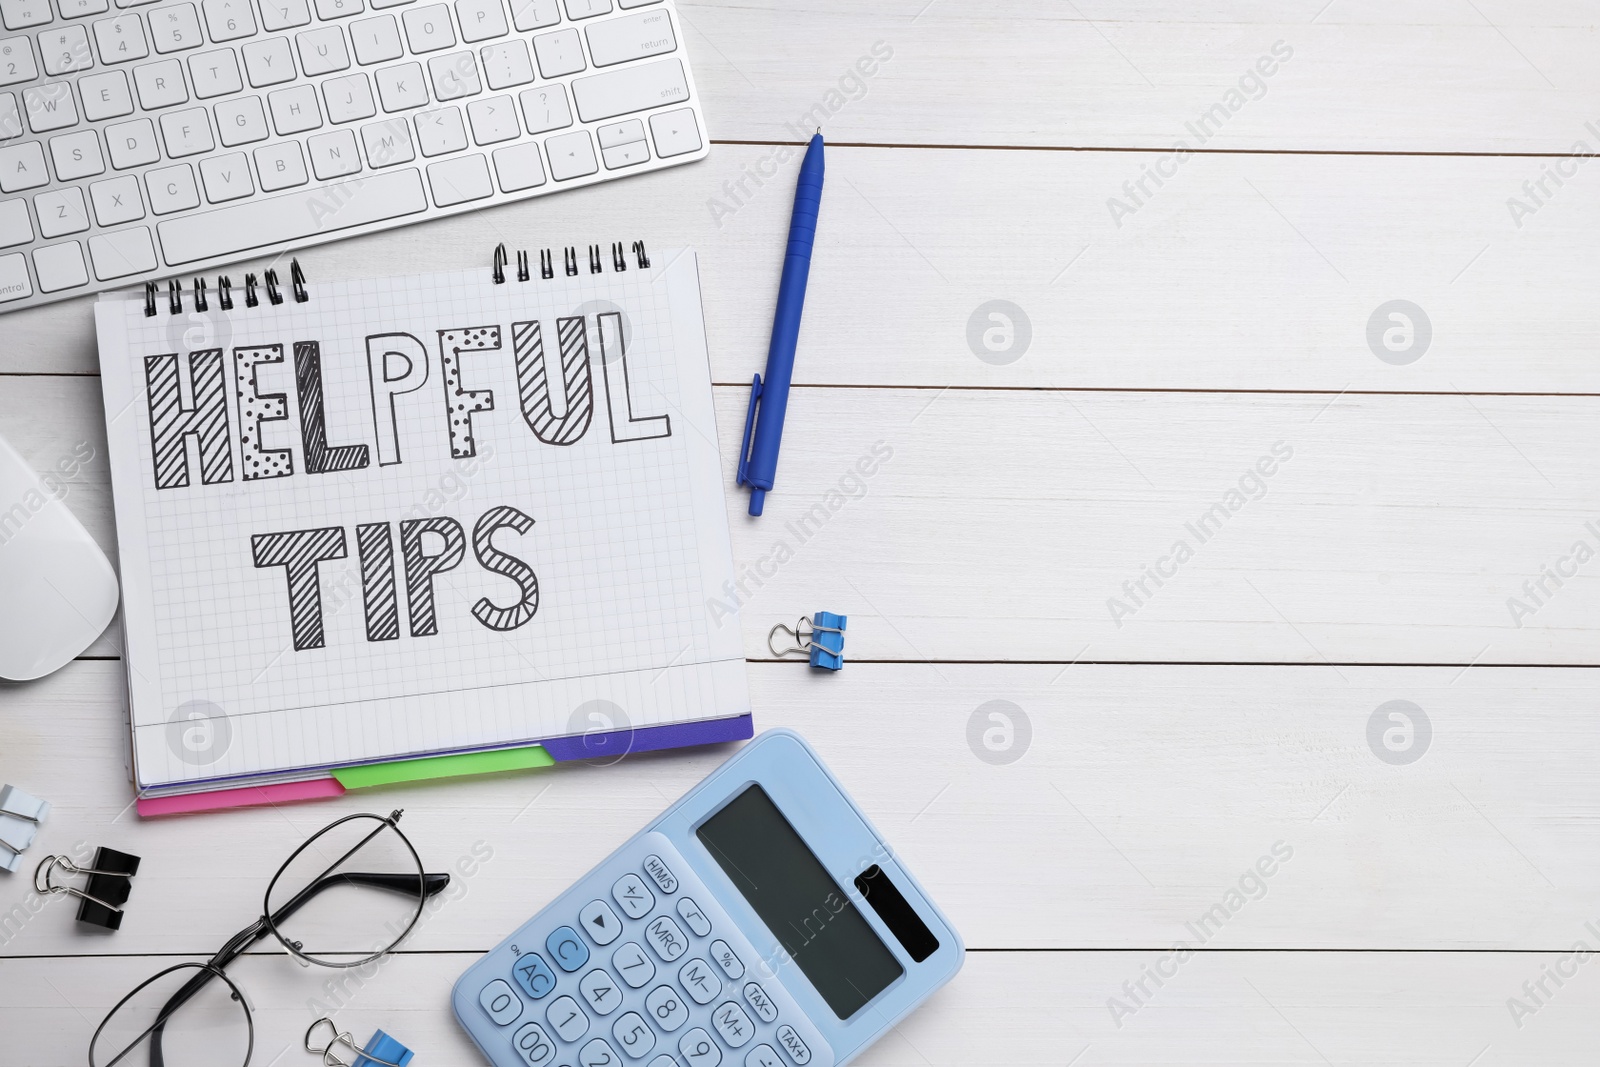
699,1050
634,966
725,958
600,990
663,1061
567,1019
762,1056
598,1054
661,874
791,1043
733,1024
636,900
667,938
633,1035
757,998
694,917
700,981
534,975
666,1007
501,1002
534,1045
600,922
568,949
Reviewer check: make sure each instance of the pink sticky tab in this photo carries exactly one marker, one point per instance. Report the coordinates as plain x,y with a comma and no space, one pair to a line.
254,796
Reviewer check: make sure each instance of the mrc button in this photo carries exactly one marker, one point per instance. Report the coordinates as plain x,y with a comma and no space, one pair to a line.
661,874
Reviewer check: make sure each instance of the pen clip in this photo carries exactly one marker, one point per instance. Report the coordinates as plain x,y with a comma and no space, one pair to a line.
749,431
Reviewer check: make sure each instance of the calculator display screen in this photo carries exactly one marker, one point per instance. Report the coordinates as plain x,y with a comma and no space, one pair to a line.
801,904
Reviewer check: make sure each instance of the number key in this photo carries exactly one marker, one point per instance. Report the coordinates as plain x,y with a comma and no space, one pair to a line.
666,1008
600,990
634,1036
598,1054
699,1050
667,938
501,1002
700,981
16,61
228,20
534,975
733,1024
634,966
534,1045
567,1018
694,917
568,948
635,898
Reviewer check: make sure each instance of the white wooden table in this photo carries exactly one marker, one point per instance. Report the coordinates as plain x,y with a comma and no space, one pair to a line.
1153,352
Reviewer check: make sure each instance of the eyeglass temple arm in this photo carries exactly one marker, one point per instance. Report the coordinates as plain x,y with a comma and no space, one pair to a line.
432,885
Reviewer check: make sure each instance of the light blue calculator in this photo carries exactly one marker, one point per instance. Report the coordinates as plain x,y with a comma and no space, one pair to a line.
722,933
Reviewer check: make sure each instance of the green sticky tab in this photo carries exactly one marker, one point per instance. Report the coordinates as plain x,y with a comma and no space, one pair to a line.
417,770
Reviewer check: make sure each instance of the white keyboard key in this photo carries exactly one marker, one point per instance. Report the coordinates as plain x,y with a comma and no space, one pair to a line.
625,155
545,108
22,167
226,177
428,28
61,211
105,96
571,155
65,50
440,131
16,61
214,73
333,155
160,84
240,121
454,75
493,120
116,255
269,62
73,9
284,14
338,9
377,4
348,98
519,167
187,133
175,28
619,133
60,267
505,65
585,9
10,117
376,40
559,53
229,20
20,14
280,166
534,14
456,181
14,282
676,132
132,144
481,20
630,4
389,194
172,189
618,92
49,107
116,200
388,143
402,87
120,39
648,33
15,226
77,155
294,110
322,50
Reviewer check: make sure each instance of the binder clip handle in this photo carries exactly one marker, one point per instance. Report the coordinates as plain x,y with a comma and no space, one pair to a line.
373,1055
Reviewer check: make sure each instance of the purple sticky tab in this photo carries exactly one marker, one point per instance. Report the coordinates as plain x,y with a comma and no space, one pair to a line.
650,738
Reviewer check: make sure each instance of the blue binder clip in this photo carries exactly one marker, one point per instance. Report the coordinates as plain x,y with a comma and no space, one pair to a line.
821,637
381,1051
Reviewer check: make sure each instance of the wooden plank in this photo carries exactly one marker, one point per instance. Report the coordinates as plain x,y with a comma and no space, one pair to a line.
1484,77
1432,1010
1004,526
1142,799
1241,272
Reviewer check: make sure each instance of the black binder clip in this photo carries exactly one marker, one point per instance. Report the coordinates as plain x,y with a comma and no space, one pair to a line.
225,293
175,297
522,264
500,263
619,258
596,264
572,261
297,281
200,294
547,264
271,277
149,300
640,256
100,900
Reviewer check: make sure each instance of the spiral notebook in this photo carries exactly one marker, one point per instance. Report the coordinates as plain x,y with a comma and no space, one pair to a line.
417,518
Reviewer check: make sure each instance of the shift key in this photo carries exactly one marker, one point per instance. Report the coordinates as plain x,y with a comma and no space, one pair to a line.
636,88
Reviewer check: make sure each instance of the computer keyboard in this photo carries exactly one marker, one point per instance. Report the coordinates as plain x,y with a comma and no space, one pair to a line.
141,140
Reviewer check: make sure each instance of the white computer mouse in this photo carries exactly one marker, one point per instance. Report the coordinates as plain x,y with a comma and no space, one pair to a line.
57,589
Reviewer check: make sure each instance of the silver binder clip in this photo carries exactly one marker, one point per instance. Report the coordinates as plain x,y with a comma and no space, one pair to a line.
20,817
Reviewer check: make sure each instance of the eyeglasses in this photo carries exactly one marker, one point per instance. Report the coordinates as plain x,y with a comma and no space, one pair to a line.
345,898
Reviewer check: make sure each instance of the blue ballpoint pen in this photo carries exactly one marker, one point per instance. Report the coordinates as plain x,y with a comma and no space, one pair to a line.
763,428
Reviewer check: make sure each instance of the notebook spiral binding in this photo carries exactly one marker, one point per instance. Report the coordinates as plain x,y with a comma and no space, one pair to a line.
202,301
547,263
